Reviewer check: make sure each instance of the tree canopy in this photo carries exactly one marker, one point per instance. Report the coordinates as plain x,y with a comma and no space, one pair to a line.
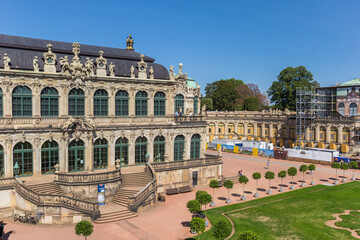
208,102
283,91
84,228
251,104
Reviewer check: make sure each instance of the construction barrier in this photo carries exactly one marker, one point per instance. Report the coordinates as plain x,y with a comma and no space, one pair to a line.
344,148
236,149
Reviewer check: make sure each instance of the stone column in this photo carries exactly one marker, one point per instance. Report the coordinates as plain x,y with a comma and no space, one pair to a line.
131,104
255,130
36,108
111,104
307,134
111,151
151,104
288,131
279,131
169,147
216,129
8,160
317,133
150,148
203,145
328,137
352,134
263,130
170,105
226,131
340,133
245,129
64,149
89,156
131,151
64,103
7,107
271,133
187,146
89,111
37,157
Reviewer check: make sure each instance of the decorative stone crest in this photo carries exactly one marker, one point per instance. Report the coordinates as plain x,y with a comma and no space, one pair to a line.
117,163
57,166
7,61
142,67
171,72
89,67
151,72
76,67
132,71
36,64
23,137
49,60
180,68
101,135
50,136
65,66
112,69
101,63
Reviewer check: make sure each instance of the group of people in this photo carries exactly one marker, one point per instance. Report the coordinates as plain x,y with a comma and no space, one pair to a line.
240,173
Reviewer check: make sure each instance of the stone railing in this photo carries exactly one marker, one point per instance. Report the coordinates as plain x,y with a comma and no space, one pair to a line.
189,119
87,179
169,166
51,200
140,198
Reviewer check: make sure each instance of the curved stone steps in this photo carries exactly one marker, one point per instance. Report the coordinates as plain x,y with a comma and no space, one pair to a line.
115,216
46,188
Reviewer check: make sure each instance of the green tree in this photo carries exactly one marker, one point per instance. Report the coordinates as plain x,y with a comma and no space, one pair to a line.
251,104
197,224
84,228
282,175
248,235
229,185
354,165
208,102
256,176
312,168
193,206
214,184
223,93
221,230
303,169
336,165
283,91
269,176
292,171
203,198
243,180
344,166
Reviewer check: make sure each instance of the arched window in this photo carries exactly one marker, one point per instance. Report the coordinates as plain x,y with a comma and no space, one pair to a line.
250,129
179,103
267,130
122,103
22,155
121,151
241,129
141,103
341,108
231,128
221,128
49,102
1,103
258,130
2,166
159,149
353,109
333,134
275,131
76,156
49,157
196,102
322,134
179,145
141,150
100,103
100,153
159,104
22,102
76,102
195,146
346,135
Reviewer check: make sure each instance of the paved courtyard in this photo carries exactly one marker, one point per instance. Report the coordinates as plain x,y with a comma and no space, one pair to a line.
169,220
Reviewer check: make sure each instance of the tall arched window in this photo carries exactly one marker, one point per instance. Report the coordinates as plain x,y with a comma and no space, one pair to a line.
100,103
121,151
353,109
1,103
333,134
195,146
341,108
140,150
22,155
179,103
122,103
100,153
322,134
346,135
241,129
275,131
250,129
179,145
76,102
159,104
22,102
49,102
258,130
2,166
141,103
196,102
159,149
49,157
76,156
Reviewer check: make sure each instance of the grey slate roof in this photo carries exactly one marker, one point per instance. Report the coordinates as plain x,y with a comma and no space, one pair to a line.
22,51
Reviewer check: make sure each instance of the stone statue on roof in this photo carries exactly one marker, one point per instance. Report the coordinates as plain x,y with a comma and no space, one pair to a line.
112,69
130,43
89,67
151,72
7,61
65,65
180,68
132,71
36,64
171,70
101,63
49,60
142,67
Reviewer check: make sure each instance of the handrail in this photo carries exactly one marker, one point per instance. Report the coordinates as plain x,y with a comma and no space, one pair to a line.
89,178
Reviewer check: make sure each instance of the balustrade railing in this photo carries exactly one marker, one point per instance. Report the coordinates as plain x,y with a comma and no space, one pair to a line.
89,178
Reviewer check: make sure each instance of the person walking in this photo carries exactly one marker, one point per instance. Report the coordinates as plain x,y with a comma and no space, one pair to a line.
268,163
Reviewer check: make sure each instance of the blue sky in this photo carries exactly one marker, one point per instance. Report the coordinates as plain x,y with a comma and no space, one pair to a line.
248,40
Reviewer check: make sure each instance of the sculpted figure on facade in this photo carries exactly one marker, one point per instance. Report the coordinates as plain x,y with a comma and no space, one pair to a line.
180,68
151,72
101,63
65,66
36,64
76,67
171,72
89,67
142,67
112,69
49,60
132,71
7,61
203,109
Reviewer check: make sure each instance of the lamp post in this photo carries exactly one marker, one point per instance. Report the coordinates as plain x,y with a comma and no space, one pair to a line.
16,169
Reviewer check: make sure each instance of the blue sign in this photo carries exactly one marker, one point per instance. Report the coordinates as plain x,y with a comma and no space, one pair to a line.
101,194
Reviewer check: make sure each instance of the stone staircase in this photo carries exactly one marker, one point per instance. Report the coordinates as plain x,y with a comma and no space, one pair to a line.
115,216
46,188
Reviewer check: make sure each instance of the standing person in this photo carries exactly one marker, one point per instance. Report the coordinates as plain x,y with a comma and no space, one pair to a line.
1,229
268,163
241,173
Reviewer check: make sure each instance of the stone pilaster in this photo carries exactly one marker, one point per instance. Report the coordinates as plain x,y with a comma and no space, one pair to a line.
37,158
111,150
8,158
131,151
111,101
89,155
64,150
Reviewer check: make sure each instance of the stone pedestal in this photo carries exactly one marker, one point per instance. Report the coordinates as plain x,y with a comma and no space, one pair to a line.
101,73
49,68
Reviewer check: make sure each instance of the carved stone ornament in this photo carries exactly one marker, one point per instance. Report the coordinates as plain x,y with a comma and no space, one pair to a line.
49,60
36,64
112,69
142,67
132,71
101,63
76,67
101,135
65,66
142,132
171,73
23,137
89,67
37,140
7,61
57,166
151,72
180,68
50,136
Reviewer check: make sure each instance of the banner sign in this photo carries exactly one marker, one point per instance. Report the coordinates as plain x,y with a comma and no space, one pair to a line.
101,194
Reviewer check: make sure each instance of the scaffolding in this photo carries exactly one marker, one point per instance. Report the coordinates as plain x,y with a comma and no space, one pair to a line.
312,104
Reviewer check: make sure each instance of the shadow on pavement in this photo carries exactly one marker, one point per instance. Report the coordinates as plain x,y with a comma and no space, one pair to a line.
235,195
283,185
185,224
273,187
221,198
6,235
324,180
332,178
248,192
295,183
261,189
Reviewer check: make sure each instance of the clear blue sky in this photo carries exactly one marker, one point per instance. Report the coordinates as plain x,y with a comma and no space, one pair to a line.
248,40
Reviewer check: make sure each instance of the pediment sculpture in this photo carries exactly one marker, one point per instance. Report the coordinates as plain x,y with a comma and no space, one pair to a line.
49,60
142,68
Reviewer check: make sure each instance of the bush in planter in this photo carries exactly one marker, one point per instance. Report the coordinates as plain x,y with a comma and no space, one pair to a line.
303,168
203,198
248,235
243,180
344,166
335,165
282,175
269,176
197,225
84,228
229,185
193,206
256,176
214,184
353,165
312,168
221,230
292,171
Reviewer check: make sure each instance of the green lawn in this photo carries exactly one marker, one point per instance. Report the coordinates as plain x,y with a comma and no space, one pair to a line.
299,214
